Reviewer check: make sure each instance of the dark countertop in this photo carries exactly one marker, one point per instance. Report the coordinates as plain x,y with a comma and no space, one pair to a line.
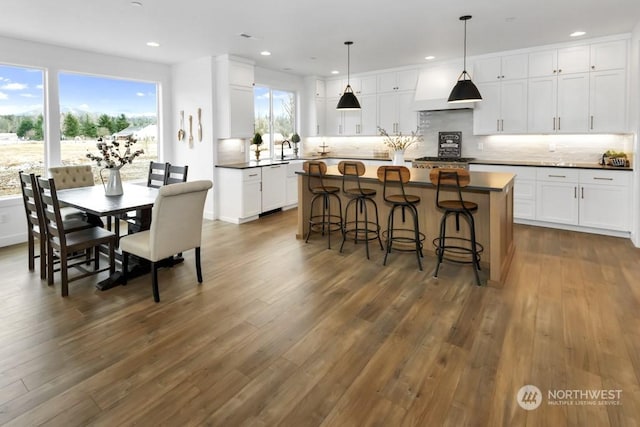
480,181
548,164
254,164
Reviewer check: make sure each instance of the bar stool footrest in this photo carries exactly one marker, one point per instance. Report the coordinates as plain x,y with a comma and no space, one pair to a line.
404,239
331,223
454,251
361,231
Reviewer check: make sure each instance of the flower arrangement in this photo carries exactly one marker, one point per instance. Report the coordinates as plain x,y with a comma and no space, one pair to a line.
400,142
110,154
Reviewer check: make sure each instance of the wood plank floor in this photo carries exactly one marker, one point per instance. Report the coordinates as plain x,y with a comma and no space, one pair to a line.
287,333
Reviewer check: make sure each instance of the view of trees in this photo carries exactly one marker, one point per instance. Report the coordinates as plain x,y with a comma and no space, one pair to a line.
85,125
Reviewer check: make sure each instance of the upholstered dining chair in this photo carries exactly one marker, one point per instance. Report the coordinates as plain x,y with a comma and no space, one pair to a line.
73,177
176,226
62,244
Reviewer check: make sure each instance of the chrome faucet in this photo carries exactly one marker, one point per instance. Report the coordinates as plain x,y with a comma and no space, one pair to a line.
284,141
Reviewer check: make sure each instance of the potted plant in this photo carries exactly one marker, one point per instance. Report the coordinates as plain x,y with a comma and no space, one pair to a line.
257,141
295,138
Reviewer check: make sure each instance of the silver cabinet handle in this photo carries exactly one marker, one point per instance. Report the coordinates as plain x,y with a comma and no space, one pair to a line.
554,123
502,124
497,125
317,129
582,192
558,123
557,176
275,167
253,174
602,179
575,193
591,122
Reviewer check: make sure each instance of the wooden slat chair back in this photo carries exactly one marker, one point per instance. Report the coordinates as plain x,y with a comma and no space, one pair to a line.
35,224
63,244
176,174
157,174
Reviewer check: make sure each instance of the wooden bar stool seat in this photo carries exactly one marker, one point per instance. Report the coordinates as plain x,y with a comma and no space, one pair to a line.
401,238
456,248
359,228
325,221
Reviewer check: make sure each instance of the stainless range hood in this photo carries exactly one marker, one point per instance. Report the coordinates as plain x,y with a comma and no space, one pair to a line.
434,86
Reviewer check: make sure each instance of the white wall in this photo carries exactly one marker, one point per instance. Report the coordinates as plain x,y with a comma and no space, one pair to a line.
193,88
55,59
634,120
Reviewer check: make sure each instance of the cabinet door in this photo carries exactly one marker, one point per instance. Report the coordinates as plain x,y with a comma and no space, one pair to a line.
486,114
369,115
251,199
514,67
543,92
241,119
352,122
274,187
334,88
387,82
573,103
333,118
319,128
573,59
609,55
407,116
487,70
605,206
557,202
387,111
407,80
368,85
544,63
513,106
607,107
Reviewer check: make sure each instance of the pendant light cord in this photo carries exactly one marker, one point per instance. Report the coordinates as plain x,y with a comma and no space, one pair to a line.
348,64
464,65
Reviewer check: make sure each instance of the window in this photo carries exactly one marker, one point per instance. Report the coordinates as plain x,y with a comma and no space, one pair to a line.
275,119
21,125
94,107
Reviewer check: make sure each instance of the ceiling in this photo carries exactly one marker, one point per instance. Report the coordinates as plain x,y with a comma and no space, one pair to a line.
307,38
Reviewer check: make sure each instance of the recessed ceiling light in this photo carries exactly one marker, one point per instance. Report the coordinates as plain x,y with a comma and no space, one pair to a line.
153,44
577,34
430,57
335,72
265,53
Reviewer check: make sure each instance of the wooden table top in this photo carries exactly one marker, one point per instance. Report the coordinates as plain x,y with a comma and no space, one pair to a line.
93,200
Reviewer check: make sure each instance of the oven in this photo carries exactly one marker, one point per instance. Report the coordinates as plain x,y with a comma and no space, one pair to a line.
442,162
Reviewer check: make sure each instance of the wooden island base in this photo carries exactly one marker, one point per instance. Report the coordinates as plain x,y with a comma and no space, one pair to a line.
493,192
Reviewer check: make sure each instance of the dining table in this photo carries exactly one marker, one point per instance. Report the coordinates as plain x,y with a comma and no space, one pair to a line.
93,201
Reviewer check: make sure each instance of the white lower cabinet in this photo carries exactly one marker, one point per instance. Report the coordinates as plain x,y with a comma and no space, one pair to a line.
292,183
588,199
274,187
246,193
599,199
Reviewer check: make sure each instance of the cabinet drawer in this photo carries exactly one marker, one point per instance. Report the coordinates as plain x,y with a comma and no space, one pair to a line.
557,174
605,177
252,174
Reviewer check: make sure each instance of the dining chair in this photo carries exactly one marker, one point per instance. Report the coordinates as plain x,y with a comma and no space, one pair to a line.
176,226
36,228
157,174
63,244
74,176
176,174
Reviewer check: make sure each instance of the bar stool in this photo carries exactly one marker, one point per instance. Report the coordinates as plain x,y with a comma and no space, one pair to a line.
325,221
458,249
405,239
358,229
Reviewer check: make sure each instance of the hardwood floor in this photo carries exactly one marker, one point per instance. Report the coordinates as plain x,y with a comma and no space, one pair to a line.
286,333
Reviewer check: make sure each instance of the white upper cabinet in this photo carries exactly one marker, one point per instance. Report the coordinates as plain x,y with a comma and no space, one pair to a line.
573,103
397,80
334,88
543,63
607,112
368,85
507,67
609,55
573,59
234,86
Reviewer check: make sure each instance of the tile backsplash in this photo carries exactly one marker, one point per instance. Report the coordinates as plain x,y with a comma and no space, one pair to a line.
584,148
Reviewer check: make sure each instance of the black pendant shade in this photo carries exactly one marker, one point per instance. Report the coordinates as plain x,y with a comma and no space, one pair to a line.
464,90
348,100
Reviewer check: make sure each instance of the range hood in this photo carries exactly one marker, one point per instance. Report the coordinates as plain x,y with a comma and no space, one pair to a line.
434,86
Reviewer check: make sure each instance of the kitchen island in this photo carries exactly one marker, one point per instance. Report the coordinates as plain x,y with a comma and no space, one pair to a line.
492,191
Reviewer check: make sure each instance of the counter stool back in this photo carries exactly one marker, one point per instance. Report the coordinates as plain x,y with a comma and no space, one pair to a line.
358,229
406,239
324,222
455,248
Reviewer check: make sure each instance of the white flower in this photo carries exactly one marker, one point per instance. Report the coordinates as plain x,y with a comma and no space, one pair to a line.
400,141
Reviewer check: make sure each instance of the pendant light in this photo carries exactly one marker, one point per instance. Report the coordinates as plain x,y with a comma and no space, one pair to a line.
464,90
348,101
